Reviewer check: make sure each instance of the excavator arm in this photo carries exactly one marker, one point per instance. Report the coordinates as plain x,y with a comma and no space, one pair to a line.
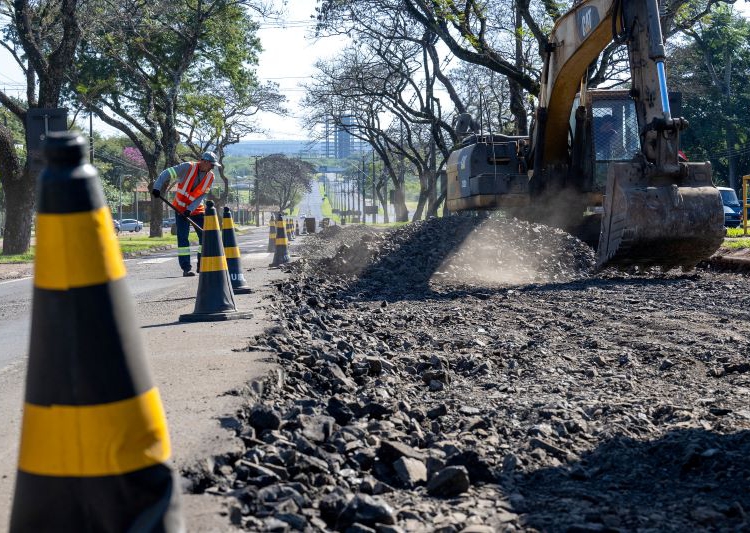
658,211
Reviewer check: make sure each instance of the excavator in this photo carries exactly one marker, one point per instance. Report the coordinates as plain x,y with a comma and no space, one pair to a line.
605,165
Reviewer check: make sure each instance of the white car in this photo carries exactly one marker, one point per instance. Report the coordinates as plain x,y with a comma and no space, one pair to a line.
130,224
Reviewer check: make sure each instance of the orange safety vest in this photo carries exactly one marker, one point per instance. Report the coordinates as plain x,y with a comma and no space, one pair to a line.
187,191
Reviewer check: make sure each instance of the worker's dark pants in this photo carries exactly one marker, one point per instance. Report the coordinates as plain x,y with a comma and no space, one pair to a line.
183,244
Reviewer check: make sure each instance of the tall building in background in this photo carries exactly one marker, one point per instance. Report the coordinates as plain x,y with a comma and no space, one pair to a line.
343,137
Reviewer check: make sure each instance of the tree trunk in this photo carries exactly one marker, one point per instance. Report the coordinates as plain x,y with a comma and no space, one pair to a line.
432,177
731,138
516,91
420,207
399,203
19,211
157,206
432,211
19,194
424,193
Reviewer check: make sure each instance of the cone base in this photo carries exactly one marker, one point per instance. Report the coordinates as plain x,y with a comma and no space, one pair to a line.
215,317
242,290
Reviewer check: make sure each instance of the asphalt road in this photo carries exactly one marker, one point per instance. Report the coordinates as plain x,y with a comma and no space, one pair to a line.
194,365
311,204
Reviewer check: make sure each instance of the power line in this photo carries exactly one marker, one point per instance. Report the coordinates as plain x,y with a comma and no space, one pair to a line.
119,161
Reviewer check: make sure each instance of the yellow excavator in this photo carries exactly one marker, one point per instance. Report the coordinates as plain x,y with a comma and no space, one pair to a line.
599,163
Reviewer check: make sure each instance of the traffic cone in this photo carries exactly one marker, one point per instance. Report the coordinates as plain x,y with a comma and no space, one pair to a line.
289,232
232,251
272,236
94,442
280,256
215,300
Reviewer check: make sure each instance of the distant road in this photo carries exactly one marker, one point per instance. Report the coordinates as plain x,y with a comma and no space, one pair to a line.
312,204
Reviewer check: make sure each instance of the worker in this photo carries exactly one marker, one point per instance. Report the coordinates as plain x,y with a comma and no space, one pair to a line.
606,138
194,180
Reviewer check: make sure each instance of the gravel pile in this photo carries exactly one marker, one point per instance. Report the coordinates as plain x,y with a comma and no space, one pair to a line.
430,400
442,254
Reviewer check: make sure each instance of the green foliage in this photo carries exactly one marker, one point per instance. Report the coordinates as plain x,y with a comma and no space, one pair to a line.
14,125
283,180
716,110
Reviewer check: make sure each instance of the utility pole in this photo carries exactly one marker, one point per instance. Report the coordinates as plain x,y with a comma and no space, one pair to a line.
237,193
91,137
120,185
374,203
257,195
362,192
385,192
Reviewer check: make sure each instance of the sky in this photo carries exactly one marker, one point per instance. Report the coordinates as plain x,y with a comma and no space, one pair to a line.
289,55
288,58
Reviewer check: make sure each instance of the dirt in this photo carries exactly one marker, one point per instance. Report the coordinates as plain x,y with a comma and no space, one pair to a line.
478,375
16,270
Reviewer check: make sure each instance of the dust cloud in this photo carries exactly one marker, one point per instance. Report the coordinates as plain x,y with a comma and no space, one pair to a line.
507,252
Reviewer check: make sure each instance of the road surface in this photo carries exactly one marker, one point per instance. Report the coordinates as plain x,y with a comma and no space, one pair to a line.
194,365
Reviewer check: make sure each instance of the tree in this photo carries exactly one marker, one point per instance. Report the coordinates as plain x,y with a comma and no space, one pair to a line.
221,117
385,91
711,71
138,67
42,37
283,180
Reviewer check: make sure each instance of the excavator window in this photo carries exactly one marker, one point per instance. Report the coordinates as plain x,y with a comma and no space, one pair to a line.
614,132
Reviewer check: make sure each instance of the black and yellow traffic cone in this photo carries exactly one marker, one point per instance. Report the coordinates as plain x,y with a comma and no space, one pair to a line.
289,232
94,443
215,300
232,252
272,236
280,256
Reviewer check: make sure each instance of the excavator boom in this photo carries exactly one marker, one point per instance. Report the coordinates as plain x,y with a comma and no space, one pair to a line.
657,209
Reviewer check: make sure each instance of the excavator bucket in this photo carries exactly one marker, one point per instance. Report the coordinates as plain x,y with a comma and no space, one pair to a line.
659,221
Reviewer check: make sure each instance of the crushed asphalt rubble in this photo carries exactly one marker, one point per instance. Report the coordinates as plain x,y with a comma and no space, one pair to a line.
477,375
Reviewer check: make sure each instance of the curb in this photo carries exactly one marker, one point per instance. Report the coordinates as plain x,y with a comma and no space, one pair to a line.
736,264
149,251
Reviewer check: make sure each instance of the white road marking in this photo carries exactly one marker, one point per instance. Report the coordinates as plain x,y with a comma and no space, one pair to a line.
156,261
15,280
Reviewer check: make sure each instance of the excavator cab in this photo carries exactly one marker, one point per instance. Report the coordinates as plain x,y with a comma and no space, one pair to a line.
614,132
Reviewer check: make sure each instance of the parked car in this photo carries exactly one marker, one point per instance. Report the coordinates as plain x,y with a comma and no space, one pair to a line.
131,224
168,223
732,207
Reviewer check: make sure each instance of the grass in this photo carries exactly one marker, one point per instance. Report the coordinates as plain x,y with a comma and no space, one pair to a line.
326,209
737,232
737,244
28,257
